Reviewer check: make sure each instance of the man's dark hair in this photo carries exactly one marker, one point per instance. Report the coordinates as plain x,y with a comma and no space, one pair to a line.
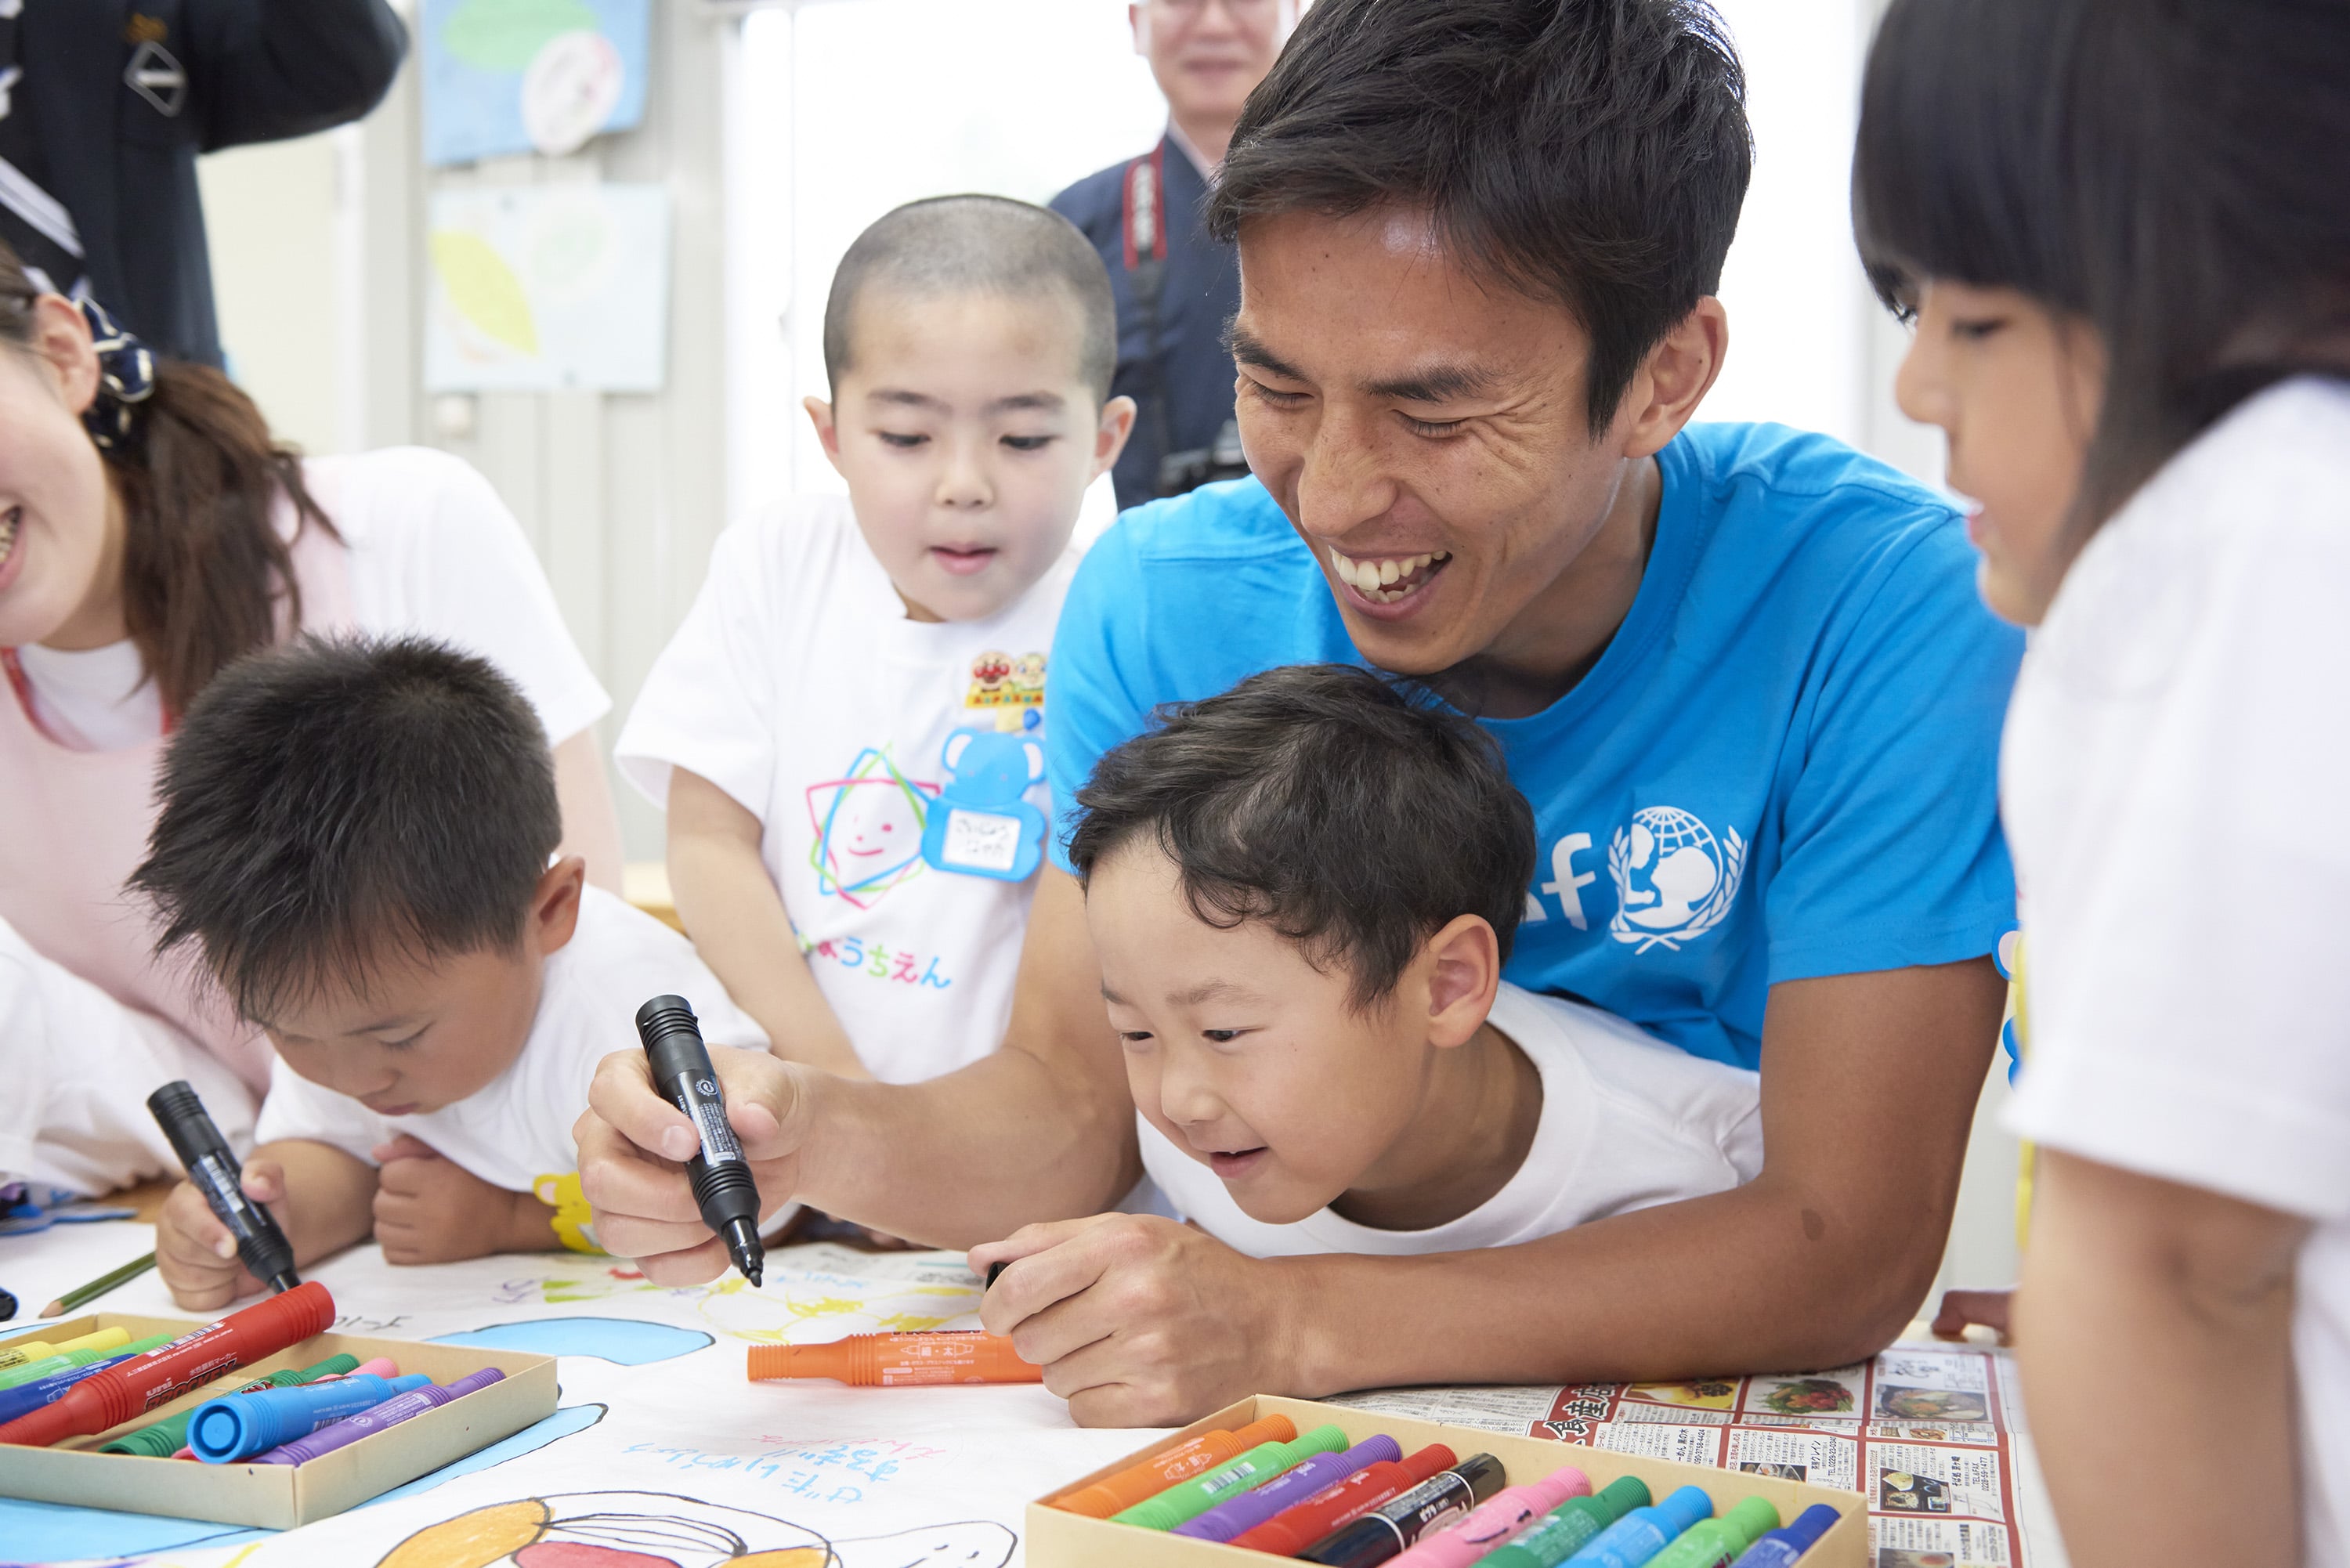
977,244
2169,175
1593,153
332,803
1352,817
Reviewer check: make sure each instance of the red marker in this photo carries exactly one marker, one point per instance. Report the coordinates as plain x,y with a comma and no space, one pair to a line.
1292,1530
115,1394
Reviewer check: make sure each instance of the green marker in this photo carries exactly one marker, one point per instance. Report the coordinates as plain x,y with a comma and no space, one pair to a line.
1187,1501
1569,1528
73,1360
1715,1542
170,1434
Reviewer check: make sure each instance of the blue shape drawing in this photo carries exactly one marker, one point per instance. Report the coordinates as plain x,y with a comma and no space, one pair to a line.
981,826
623,1340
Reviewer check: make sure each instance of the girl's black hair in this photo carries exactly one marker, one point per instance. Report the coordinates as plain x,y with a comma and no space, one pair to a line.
2169,173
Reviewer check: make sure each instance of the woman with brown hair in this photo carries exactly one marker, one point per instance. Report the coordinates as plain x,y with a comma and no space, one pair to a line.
151,533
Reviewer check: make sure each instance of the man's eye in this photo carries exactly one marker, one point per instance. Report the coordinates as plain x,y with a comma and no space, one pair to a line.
892,438
1434,430
1028,443
1278,400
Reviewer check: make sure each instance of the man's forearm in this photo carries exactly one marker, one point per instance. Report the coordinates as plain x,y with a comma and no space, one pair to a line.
1753,1279
971,1156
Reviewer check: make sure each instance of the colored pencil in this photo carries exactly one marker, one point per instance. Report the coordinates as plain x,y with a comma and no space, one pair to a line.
100,1286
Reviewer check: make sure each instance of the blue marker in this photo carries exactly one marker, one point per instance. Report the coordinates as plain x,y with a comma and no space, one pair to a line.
26,1397
239,1425
1645,1532
1780,1548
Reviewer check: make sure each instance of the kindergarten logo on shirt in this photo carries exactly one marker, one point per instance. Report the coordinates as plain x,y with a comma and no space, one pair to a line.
1674,880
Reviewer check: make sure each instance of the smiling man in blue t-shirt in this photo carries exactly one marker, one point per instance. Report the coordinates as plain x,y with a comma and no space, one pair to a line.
1741,673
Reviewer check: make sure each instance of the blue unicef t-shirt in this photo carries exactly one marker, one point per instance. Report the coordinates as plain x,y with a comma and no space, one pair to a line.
1783,767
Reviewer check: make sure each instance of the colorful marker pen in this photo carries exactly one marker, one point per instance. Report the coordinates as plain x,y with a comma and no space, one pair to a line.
1293,1529
723,1188
1570,1527
1186,1501
214,1171
898,1360
1396,1526
1640,1535
66,1361
1713,1542
109,1396
239,1425
1499,1519
1780,1548
170,1434
27,1398
1321,1472
24,1350
374,1419
1182,1462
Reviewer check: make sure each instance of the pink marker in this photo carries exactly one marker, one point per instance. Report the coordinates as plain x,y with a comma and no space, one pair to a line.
381,1367
1495,1521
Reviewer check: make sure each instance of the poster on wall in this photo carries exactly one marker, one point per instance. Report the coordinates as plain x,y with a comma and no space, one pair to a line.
503,77
545,289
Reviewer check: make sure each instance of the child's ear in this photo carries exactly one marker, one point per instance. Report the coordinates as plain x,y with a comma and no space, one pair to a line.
1109,436
1464,971
555,905
828,432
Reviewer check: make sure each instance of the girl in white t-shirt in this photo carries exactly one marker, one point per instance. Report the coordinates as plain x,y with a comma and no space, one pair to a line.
2123,236
151,533
848,731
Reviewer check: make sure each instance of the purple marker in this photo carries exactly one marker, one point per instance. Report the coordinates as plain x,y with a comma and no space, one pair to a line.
390,1413
1252,1509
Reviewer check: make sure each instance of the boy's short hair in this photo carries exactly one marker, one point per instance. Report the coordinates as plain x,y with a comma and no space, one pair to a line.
1323,800
1594,153
977,244
333,803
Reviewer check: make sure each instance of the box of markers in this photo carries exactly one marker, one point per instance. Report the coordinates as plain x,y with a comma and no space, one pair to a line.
279,1497
1060,1538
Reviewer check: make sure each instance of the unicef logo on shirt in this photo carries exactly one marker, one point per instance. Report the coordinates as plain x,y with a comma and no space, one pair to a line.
1674,880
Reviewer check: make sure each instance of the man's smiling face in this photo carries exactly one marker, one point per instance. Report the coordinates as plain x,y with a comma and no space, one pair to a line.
1424,429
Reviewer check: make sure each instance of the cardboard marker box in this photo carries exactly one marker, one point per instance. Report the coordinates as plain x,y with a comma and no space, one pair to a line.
279,1497
1059,1539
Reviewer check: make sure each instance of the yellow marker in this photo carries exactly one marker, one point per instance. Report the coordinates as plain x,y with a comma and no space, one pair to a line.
25,1350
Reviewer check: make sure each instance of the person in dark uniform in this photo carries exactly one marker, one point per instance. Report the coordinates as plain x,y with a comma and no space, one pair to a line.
105,104
1176,287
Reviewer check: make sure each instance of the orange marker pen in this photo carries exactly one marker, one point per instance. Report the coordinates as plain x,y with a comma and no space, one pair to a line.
1180,1463
898,1360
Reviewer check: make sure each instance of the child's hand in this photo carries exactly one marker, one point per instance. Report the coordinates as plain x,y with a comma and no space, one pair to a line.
1138,1321
1962,1310
430,1210
194,1252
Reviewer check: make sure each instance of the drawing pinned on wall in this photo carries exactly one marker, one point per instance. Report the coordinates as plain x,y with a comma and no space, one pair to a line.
505,76
664,1530
543,288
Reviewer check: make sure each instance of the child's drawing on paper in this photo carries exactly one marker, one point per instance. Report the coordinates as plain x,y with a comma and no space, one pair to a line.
660,1530
793,1308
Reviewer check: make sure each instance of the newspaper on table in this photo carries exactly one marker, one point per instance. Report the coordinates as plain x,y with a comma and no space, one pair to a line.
1927,1435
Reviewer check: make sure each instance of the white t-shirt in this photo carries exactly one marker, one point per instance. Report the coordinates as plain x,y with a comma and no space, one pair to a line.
799,687
2176,786
431,550
518,1128
72,1051
1627,1122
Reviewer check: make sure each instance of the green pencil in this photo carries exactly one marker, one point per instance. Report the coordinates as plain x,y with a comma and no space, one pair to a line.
100,1286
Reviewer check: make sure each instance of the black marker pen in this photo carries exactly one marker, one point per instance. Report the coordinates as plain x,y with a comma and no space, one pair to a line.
214,1171
723,1184
1390,1529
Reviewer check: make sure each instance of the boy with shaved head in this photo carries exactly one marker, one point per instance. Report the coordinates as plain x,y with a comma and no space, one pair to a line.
848,730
